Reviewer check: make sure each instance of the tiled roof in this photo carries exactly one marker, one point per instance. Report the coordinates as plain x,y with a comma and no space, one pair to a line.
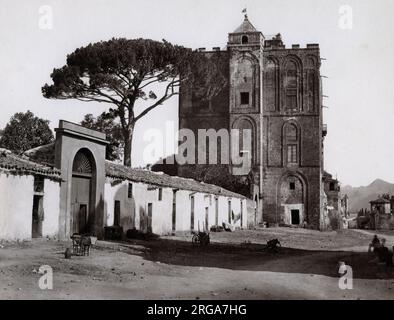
380,201
328,176
114,170
15,164
45,155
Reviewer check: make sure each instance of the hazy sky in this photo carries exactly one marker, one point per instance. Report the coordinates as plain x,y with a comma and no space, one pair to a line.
359,146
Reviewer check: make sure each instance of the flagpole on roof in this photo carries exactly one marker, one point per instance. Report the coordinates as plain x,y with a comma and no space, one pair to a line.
244,10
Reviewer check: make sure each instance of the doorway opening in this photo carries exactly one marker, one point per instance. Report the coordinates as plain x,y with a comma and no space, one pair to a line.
206,219
37,216
192,213
82,197
117,213
295,216
80,221
216,211
174,210
149,222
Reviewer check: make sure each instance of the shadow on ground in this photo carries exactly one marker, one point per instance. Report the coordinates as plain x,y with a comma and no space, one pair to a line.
251,257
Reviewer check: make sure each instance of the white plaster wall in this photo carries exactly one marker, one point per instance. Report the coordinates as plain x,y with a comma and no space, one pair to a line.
109,193
252,214
236,207
162,212
199,211
50,224
203,201
118,190
223,210
142,196
16,205
183,210
132,210
211,205
245,218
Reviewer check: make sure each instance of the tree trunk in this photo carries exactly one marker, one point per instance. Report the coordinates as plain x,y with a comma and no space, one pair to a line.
128,141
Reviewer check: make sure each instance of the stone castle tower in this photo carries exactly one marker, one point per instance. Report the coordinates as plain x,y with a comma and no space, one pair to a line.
275,92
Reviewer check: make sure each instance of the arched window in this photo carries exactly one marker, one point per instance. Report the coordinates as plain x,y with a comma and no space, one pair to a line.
312,85
244,40
271,85
291,86
242,146
82,163
291,143
246,132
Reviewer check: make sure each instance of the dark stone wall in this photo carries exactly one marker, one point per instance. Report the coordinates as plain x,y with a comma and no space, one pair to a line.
285,89
291,95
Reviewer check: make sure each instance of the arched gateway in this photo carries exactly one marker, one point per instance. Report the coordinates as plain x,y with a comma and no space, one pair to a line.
80,156
82,191
291,199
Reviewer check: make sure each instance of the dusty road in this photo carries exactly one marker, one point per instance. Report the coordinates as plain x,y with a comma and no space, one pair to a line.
232,267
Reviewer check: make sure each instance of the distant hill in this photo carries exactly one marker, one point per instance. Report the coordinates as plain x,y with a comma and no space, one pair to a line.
359,197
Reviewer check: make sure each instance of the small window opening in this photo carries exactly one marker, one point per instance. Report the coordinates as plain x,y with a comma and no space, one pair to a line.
38,184
130,191
244,97
117,213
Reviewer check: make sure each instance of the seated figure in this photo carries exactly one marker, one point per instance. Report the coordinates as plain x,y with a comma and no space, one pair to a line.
374,244
384,254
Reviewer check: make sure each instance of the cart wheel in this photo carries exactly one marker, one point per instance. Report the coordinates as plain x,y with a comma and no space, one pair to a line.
195,240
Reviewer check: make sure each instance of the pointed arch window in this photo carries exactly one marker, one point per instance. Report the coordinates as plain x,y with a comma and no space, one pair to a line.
312,85
246,132
271,85
291,86
291,143
244,40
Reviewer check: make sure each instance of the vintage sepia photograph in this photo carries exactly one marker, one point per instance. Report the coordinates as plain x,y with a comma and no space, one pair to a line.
207,151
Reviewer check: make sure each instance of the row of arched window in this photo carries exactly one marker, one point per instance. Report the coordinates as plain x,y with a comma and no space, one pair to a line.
290,83
290,142
291,134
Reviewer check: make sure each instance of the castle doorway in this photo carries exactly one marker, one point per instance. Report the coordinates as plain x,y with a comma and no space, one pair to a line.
295,216
291,206
82,197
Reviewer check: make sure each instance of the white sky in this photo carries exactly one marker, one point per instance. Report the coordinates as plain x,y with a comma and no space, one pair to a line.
359,145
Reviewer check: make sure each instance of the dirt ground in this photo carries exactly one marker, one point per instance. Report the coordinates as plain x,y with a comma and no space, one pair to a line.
233,266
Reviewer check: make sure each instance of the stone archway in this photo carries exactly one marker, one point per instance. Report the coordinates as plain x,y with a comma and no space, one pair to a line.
244,145
85,147
83,192
291,200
